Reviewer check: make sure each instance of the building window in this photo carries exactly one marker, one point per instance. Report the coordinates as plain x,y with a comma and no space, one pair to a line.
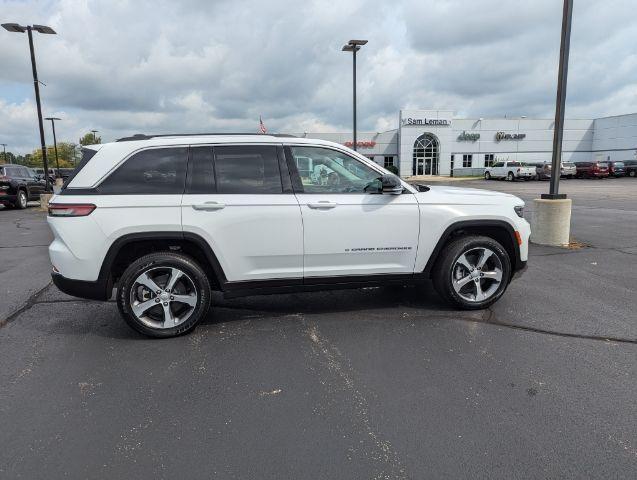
467,160
489,159
388,162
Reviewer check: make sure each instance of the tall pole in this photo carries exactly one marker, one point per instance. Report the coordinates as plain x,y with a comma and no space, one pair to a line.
354,98
36,85
4,152
560,102
55,147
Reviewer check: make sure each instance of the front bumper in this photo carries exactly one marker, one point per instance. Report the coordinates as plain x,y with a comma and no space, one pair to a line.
522,266
97,290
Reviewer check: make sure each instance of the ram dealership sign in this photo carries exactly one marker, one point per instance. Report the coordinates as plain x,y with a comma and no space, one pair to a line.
509,136
430,122
468,137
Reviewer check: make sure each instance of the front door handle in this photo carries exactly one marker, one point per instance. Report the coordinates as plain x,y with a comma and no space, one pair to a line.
209,206
323,205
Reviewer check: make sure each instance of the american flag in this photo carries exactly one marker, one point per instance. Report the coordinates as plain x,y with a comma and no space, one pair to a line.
262,128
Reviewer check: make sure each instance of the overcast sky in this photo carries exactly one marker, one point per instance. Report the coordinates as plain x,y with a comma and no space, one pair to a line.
125,67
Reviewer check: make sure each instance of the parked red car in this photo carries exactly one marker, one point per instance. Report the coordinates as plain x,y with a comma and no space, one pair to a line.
592,169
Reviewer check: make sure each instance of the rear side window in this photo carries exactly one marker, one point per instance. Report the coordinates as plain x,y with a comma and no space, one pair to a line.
154,171
249,169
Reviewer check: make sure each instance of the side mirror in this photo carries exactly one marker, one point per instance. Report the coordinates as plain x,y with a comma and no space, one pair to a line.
391,185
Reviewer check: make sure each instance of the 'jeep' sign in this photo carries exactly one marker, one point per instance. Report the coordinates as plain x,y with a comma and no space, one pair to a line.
468,137
432,122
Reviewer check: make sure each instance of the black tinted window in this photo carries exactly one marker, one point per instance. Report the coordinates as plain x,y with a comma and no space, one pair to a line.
247,169
158,171
201,177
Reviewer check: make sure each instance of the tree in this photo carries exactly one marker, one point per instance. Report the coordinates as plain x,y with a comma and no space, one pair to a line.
90,139
66,156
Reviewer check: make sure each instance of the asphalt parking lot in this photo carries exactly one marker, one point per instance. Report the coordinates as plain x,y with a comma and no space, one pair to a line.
371,383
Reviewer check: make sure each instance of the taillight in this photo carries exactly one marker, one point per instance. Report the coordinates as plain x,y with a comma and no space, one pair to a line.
3,178
70,209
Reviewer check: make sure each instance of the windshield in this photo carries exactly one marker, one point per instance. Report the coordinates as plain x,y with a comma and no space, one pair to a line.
619,164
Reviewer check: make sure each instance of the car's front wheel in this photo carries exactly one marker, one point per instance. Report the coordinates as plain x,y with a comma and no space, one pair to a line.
163,294
21,200
487,176
472,272
511,177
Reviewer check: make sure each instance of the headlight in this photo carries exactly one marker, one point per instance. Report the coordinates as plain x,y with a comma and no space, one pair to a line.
519,210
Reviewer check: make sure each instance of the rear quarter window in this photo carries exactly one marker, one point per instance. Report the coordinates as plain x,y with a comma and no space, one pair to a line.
152,171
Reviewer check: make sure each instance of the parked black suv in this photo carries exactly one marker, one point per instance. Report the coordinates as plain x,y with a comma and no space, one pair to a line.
631,167
18,185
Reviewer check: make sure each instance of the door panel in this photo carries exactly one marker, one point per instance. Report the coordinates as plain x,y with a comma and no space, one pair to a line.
255,231
363,234
349,228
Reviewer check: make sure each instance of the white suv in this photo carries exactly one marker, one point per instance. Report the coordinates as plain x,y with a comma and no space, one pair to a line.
167,219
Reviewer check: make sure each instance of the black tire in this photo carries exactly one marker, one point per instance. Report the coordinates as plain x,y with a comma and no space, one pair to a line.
487,176
444,270
510,177
21,200
158,261
631,173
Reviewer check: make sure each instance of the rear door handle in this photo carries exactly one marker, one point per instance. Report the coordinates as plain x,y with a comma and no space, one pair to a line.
323,205
209,206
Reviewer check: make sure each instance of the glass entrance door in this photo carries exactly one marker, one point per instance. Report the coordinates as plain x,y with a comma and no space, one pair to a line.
426,155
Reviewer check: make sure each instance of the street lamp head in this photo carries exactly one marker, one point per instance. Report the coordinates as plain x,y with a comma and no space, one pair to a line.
43,29
14,27
52,118
357,42
351,48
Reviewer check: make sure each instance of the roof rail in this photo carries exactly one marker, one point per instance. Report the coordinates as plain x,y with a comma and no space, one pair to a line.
143,136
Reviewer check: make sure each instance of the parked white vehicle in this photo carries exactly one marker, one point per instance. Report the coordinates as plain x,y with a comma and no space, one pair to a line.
509,170
166,219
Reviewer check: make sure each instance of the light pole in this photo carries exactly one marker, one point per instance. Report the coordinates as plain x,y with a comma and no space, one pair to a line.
560,103
55,143
16,28
4,152
94,137
354,46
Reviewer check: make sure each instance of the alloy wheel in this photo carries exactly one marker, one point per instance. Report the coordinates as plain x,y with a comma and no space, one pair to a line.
163,297
477,274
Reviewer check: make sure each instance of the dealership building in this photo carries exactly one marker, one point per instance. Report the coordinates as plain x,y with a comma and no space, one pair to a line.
435,142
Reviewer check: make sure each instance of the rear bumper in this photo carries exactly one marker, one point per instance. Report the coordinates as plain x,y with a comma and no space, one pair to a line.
98,290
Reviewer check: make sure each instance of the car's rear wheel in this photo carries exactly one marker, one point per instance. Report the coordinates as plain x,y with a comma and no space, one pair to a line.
487,176
163,294
21,200
472,272
631,173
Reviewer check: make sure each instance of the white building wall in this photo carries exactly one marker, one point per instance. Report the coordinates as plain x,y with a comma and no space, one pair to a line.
615,138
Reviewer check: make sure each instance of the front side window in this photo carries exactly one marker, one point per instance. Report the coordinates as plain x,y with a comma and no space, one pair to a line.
153,171
247,169
323,170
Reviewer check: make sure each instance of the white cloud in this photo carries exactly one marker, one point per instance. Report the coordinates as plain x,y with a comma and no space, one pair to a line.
125,67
